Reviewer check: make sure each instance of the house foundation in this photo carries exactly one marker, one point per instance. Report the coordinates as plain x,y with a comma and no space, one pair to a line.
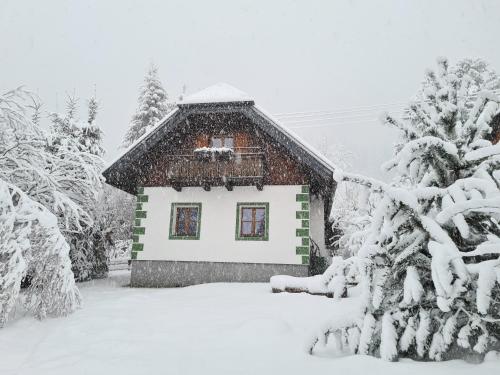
160,273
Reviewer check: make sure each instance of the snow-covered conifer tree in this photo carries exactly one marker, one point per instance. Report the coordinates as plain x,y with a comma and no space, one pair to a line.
91,136
153,106
431,262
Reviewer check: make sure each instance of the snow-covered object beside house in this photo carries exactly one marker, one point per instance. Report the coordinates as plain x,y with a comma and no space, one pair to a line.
432,253
246,214
333,282
33,244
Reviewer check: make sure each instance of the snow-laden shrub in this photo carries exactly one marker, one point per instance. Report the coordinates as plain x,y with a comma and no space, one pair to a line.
350,215
31,242
77,146
431,261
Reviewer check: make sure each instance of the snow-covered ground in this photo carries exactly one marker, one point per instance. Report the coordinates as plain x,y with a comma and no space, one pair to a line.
205,329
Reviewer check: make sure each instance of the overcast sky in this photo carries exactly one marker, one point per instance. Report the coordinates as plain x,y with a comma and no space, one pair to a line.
291,56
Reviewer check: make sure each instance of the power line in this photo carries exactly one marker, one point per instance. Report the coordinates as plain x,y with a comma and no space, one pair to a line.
330,119
334,114
333,124
344,110
355,110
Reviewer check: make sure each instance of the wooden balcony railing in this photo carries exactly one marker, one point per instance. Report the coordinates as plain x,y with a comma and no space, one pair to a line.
245,166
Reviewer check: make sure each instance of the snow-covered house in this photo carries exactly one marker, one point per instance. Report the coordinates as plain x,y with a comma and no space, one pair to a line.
224,193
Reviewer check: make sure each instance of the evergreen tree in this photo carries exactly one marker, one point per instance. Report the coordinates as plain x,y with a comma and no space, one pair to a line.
430,266
92,135
153,106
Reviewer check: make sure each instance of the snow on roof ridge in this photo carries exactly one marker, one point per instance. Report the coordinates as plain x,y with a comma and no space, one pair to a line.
142,137
318,155
219,93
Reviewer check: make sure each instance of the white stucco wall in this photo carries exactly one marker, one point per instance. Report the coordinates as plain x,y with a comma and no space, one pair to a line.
217,241
317,217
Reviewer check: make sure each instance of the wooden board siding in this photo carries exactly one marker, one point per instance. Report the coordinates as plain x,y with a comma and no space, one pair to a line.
241,140
279,165
202,140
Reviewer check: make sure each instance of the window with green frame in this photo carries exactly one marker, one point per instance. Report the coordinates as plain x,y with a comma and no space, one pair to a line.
185,221
252,221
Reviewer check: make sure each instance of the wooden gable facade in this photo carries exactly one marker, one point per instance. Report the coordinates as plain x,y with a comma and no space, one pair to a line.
255,159
262,153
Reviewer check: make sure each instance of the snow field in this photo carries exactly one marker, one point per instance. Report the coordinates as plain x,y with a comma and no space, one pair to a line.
204,329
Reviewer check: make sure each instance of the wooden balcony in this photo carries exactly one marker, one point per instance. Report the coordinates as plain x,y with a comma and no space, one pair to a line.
244,166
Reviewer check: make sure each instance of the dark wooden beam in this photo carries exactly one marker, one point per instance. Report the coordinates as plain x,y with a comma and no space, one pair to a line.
260,185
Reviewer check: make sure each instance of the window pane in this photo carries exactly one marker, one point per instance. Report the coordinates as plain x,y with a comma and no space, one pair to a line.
179,221
192,225
228,142
260,228
260,214
192,228
216,142
194,214
246,228
181,214
186,221
246,214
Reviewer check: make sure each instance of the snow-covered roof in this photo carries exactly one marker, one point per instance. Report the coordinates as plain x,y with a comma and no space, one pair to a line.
118,172
142,137
318,155
218,93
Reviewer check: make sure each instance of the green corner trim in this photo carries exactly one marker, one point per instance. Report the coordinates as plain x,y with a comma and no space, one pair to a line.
142,198
302,197
237,235
137,246
139,230
171,232
302,250
302,214
302,232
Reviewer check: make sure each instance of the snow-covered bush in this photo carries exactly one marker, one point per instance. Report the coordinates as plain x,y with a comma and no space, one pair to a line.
351,216
71,138
431,260
31,243
42,196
